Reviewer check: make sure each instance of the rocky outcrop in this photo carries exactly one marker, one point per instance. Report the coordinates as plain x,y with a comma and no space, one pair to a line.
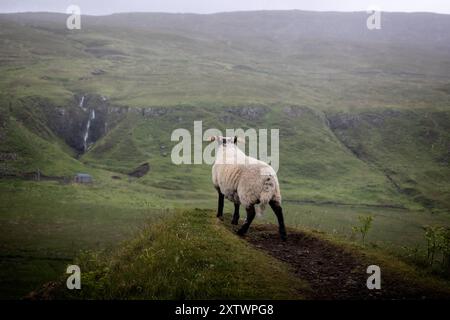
140,171
251,113
295,111
154,112
343,121
98,72
87,118
84,121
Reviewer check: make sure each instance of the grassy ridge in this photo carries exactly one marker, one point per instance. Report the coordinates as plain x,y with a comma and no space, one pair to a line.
181,256
188,255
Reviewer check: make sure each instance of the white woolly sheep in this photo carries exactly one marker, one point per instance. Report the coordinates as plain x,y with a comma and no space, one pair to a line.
247,181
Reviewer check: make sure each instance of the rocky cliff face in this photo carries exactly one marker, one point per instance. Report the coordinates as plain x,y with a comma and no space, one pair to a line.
80,123
85,121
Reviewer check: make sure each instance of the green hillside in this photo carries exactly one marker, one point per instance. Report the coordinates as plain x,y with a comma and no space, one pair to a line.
364,124
322,60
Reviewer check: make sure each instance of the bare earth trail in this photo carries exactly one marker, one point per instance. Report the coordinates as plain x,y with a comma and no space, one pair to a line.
332,272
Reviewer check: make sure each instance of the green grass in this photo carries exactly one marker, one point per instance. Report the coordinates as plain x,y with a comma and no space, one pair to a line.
43,225
189,255
315,165
392,228
317,170
34,152
411,147
392,153
181,256
160,60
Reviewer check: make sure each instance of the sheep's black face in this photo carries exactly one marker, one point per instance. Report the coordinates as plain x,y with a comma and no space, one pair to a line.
227,140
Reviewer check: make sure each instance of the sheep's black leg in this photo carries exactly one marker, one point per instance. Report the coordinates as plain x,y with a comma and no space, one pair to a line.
276,207
236,214
220,205
250,216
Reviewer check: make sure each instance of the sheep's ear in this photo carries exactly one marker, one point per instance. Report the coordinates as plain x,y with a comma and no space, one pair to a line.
212,139
239,140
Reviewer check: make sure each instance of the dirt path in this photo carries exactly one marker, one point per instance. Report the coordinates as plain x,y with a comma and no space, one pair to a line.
332,272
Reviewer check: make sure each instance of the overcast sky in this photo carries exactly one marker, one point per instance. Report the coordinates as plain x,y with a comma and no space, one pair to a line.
210,6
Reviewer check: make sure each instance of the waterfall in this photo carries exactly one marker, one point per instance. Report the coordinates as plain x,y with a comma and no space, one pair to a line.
82,103
88,126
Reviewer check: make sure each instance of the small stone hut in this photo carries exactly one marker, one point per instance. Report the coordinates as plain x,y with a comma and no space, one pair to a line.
82,178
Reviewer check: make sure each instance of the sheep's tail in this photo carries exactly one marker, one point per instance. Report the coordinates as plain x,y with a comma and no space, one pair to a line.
269,192
260,210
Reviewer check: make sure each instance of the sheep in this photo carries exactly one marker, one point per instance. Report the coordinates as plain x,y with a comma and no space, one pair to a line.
247,181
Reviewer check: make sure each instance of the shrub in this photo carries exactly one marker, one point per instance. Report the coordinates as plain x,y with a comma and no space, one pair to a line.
364,227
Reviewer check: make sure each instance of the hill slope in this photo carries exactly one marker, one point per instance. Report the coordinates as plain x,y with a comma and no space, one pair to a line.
321,59
337,91
183,257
